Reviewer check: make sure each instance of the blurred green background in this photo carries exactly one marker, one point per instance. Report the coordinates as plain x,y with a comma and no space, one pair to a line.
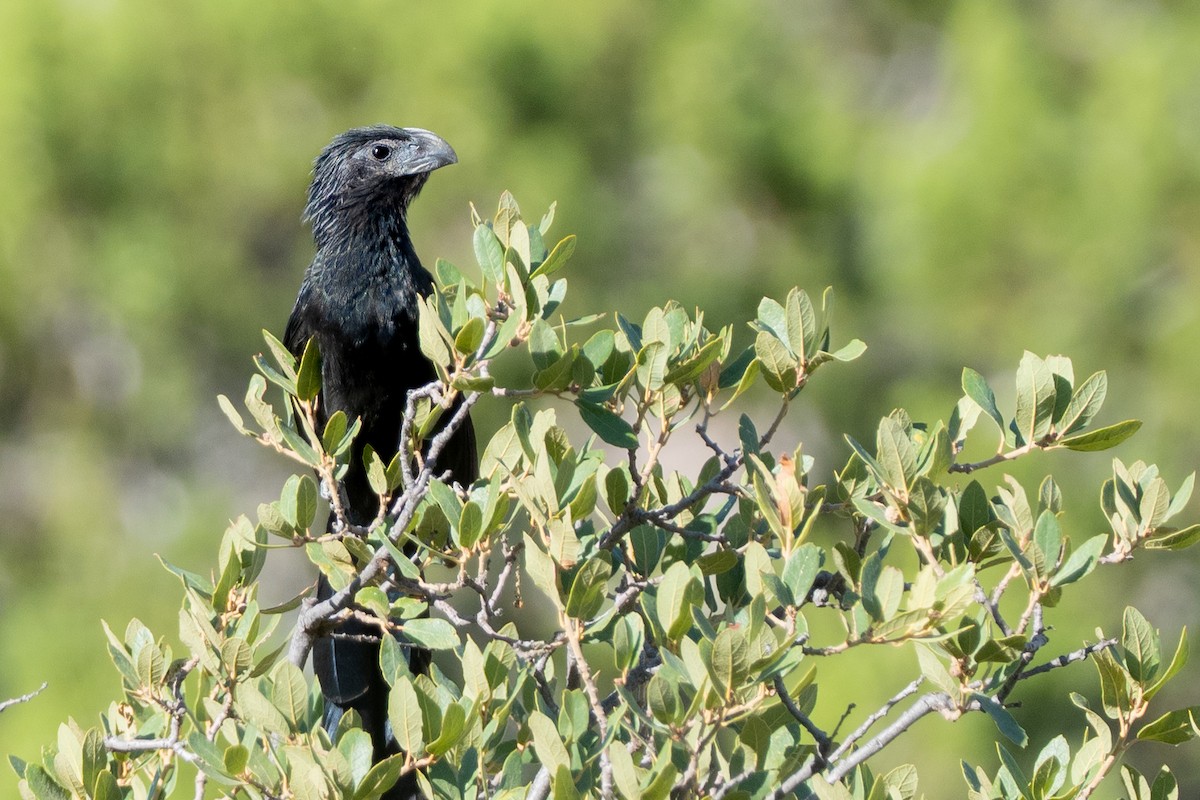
974,178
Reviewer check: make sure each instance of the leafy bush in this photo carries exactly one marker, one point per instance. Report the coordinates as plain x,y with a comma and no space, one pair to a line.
604,626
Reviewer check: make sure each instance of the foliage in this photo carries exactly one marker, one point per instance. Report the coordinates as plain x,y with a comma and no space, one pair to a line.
975,178
691,611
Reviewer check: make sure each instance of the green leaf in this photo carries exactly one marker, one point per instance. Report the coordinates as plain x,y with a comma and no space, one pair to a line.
1081,562
546,742
431,632
232,415
289,694
42,786
896,454
1047,544
1114,684
1101,438
935,671
257,710
1177,662
380,778
564,784
470,525
308,377
94,757
772,317
1050,769
610,427
469,337
974,508
453,723
647,543
1175,727
282,356
375,469
1182,496
404,712
1140,641
1165,786
1004,720
236,759
587,593
432,335
624,773
801,324
926,506
778,365
335,431
849,351
691,368
976,387
1167,539
747,378
1085,403
675,598
558,375
800,570
1035,398
558,257
489,254
298,501
662,696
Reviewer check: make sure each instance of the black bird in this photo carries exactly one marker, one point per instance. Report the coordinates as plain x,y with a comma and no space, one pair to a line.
359,301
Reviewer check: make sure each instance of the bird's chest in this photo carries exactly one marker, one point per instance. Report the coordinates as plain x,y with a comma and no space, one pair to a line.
370,361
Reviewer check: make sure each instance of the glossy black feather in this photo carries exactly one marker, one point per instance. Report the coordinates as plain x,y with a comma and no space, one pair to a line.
359,301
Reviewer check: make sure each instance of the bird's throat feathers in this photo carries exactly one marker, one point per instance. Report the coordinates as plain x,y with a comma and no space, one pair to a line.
366,264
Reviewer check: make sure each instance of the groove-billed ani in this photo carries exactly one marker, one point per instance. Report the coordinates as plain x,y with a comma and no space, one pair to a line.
359,301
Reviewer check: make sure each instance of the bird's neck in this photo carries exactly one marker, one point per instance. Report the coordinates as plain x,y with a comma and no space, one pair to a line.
371,264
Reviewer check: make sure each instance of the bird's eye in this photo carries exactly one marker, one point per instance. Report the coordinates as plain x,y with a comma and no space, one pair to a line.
380,151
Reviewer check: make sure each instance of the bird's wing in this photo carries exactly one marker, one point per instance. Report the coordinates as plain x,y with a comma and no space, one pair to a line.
299,325
461,455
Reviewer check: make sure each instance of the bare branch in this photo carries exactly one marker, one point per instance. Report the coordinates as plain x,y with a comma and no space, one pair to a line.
1068,658
1000,458
25,698
874,717
821,738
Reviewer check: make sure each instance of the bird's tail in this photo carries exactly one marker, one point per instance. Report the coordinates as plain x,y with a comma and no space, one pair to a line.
346,663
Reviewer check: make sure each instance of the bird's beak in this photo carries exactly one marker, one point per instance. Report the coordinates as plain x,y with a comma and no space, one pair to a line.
430,152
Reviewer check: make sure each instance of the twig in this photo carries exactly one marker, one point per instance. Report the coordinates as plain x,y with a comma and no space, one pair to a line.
982,598
315,614
821,738
727,785
25,698
935,701
1068,658
177,708
1035,643
573,628
1000,458
874,717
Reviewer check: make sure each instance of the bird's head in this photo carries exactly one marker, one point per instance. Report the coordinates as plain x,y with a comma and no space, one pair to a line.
372,169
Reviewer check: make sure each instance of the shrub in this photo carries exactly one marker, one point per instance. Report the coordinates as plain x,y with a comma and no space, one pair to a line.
604,626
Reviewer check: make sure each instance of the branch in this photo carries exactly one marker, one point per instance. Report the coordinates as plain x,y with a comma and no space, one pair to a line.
1035,643
821,738
632,516
1068,658
935,701
573,630
25,698
874,717
315,614
177,708
1000,458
